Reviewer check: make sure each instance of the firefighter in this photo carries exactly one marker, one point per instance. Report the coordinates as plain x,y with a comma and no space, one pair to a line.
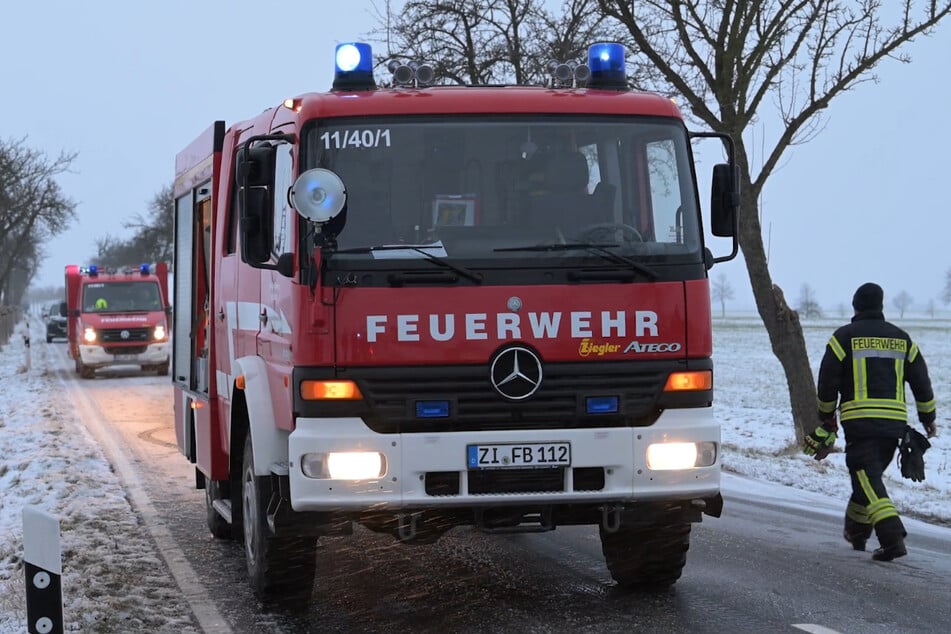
863,372
102,304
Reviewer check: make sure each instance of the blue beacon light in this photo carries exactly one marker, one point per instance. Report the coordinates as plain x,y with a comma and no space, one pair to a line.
353,67
606,61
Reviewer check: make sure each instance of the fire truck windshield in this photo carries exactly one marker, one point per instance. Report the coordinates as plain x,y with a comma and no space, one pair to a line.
483,187
121,296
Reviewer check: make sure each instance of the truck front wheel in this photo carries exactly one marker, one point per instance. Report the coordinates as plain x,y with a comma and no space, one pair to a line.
647,558
84,370
281,568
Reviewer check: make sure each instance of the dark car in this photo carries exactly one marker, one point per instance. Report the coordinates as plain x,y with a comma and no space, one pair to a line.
56,321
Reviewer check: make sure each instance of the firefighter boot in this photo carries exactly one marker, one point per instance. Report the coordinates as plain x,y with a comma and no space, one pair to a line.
856,533
892,551
891,535
858,543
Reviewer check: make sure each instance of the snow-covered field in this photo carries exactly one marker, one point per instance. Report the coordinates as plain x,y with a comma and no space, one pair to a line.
116,580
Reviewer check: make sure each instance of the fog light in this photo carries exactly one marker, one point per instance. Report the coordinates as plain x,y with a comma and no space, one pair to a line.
669,456
344,465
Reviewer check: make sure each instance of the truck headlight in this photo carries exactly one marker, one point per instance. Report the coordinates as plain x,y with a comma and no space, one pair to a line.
668,456
159,334
344,465
89,335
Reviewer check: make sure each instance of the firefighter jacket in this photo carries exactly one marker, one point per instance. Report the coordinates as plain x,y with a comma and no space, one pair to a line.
864,370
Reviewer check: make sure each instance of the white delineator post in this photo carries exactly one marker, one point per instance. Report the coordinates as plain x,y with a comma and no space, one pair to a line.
42,557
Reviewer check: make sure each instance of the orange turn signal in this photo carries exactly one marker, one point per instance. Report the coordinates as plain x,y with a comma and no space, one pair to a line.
329,390
689,381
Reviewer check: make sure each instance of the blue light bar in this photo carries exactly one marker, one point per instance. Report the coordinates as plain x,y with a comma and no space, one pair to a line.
602,404
432,409
93,270
607,64
144,269
353,67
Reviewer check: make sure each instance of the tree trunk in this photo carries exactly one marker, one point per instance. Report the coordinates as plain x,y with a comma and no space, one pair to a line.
781,321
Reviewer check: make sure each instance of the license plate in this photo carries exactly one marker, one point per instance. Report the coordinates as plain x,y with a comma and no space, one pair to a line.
125,357
507,456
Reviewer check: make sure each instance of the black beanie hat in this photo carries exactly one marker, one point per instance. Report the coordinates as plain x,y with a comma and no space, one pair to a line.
868,296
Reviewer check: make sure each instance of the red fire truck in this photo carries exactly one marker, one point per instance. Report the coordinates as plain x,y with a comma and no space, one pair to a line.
421,307
118,317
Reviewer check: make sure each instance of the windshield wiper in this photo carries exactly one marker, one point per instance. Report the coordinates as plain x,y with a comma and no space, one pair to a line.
601,249
421,249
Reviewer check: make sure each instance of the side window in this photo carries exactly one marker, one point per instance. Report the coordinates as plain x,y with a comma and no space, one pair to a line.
284,215
665,200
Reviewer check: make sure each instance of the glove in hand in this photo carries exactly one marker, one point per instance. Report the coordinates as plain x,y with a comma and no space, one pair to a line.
819,443
911,455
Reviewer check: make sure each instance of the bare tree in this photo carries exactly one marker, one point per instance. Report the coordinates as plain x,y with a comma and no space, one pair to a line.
152,240
32,209
493,41
902,302
932,308
721,291
730,62
808,306
946,293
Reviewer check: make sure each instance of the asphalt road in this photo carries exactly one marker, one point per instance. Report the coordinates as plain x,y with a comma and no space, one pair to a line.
775,561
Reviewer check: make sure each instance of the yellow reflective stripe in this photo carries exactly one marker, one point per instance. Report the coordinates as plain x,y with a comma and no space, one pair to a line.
913,353
874,413
857,513
827,407
926,407
899,376
858,379
878,508
836,348
866,487
884,509
874,402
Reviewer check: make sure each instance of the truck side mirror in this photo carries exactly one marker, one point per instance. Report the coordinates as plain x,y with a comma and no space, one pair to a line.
254,172
724,201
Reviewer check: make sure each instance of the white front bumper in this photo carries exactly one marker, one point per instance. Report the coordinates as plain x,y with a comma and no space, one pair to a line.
96,356
620,451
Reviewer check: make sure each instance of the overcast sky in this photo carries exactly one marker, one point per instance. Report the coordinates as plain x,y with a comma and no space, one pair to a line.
129,84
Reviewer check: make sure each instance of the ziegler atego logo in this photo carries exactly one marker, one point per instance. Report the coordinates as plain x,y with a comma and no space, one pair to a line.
637,347
579,324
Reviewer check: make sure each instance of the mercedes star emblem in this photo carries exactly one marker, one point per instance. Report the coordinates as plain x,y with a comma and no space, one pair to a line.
516,373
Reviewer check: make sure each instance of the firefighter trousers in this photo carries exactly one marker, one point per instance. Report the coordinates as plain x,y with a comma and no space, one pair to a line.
869,507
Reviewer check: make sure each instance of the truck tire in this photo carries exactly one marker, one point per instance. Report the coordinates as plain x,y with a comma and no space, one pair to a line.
84,370
281,568
214,490
647,558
